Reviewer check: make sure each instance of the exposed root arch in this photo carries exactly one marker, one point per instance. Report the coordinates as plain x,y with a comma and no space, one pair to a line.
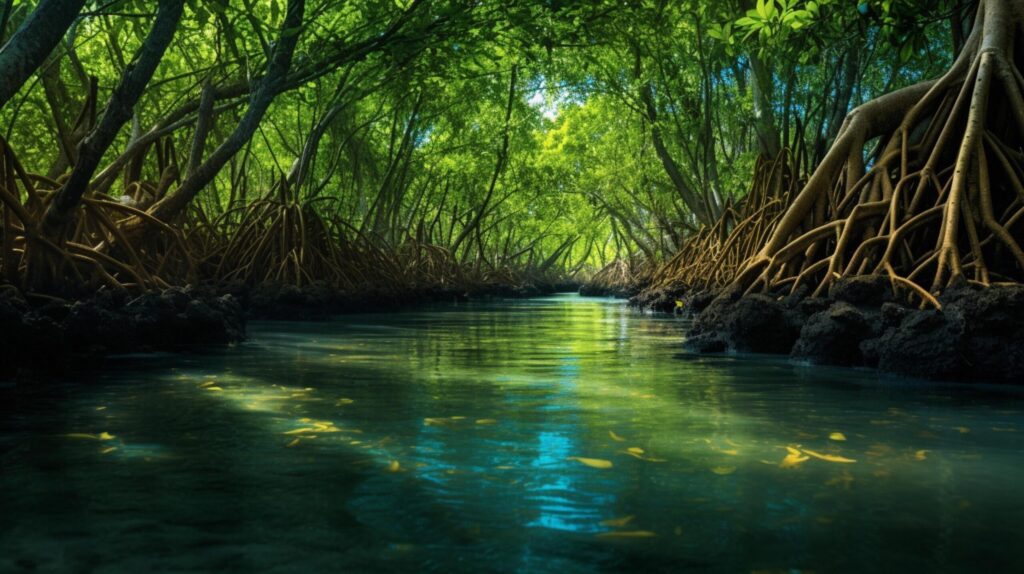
939,200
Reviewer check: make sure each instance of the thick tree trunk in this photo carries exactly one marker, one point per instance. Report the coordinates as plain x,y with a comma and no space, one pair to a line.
29,47
267,89
943,194
118,111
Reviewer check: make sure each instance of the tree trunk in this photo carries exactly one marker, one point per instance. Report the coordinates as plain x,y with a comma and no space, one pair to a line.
260,99
118,111
29,47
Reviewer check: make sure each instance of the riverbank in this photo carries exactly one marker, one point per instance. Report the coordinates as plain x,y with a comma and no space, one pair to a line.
977,334
47,333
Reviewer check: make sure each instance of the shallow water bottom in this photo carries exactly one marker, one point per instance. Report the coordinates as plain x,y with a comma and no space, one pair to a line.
560,434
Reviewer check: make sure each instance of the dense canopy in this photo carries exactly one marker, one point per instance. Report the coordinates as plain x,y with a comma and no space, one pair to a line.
408,141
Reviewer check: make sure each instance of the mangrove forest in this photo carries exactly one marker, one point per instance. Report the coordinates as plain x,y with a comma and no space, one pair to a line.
511,285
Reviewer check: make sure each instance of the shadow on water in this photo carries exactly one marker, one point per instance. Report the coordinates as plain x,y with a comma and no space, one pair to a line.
559,434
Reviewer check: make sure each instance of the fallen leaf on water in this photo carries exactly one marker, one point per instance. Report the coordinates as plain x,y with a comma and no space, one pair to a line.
458,418
792,460
108,450
592,462
294,442
343,402
81,435
627,534
105,408
616,437
963,430
837,436
618,522
644,458
486,421
792,450
730,451
214,389
504,467
394,466
207,384
723,470
829,457
303,430
921,454
635,450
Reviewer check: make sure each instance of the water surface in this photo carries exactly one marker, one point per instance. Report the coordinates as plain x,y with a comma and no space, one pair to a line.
561,434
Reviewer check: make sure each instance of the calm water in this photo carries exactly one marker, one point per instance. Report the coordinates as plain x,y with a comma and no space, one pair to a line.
444,440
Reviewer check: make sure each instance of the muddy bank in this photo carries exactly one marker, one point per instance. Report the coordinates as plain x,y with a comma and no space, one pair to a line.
320,301
977,335
50,334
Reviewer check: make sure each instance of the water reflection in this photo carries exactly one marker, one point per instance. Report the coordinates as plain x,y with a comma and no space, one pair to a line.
560,434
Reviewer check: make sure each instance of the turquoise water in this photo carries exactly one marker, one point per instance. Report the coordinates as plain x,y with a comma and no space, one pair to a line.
560,434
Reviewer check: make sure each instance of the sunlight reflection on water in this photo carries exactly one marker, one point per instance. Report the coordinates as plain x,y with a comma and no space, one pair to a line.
558,434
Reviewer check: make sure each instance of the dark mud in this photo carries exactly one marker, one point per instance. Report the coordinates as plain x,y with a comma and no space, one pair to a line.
977,335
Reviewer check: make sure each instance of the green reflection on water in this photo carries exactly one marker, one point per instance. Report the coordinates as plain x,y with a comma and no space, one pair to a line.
559,434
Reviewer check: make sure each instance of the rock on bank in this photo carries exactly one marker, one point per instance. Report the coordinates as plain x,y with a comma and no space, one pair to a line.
977,335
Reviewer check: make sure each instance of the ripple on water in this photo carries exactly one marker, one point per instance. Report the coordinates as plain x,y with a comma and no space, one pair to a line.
559,434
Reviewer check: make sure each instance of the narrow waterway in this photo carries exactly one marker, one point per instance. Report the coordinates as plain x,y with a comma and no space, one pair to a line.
560,434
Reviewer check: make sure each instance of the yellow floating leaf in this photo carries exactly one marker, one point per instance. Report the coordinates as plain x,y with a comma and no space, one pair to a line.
618,522
105,436
216,389
829,457
792,460
921,454
730,452
792,450
644,458
394,466
303,430
635,450
207,384
105,408
108,450
592,462
627,534
294,442
616,437
504,467
434,422
837,436
486,421
82,435
458,418
679,304
343,402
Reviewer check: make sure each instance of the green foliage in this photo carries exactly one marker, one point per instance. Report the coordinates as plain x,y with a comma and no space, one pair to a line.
414,119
